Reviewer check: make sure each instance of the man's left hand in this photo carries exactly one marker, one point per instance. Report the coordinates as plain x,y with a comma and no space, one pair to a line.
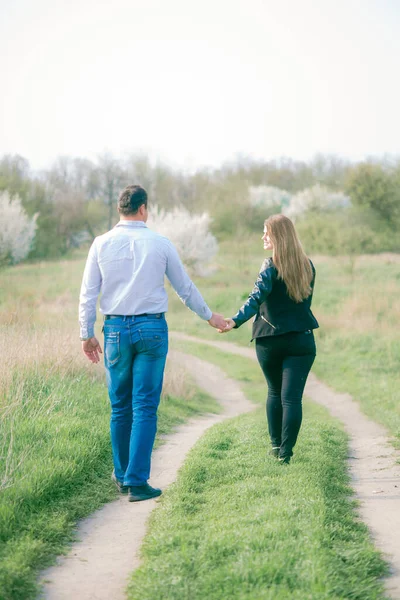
91,349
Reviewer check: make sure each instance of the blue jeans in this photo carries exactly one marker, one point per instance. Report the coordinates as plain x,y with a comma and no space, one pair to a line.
135,351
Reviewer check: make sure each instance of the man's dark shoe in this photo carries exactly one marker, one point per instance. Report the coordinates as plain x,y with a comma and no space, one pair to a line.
285,460
123,489
143,492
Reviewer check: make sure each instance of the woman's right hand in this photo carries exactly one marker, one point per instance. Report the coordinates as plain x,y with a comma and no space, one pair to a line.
230,324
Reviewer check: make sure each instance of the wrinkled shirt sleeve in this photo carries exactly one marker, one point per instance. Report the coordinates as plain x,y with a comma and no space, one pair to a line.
262,288
184,286
90,289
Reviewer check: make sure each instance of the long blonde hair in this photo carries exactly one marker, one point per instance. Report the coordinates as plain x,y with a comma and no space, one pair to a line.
289,258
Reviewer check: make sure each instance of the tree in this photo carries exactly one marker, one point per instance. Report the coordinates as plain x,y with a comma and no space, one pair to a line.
17,230
330,170
373,188
76,175
14,175
112,179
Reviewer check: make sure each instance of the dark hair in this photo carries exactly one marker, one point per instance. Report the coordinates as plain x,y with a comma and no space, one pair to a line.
130,199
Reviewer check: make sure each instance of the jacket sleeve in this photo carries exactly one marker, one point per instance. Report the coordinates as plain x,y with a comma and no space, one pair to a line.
262,288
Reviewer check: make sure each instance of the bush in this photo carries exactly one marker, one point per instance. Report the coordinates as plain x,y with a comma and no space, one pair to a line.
374,189
342,232
268,196
17,230
189,233
315,198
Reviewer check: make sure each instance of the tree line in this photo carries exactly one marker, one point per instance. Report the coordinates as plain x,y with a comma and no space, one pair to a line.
75,199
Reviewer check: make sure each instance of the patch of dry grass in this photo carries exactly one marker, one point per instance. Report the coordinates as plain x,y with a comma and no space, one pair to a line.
365,310
39,330
369,299
28,351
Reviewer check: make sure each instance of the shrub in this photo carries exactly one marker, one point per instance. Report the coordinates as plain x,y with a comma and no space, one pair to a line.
342,233
375,190
189,233
268,196
17,230
316,198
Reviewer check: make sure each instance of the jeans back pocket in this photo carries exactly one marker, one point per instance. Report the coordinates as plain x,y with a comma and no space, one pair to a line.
111,348
154,342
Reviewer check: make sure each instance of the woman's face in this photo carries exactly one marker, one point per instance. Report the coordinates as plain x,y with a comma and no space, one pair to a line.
266,239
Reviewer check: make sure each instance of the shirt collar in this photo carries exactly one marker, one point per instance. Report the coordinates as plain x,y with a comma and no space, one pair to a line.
131,223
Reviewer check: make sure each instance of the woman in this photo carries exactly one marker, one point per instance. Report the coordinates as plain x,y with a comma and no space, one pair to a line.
282,328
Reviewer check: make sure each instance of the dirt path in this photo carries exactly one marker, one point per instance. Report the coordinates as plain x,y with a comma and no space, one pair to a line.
98,566
372,462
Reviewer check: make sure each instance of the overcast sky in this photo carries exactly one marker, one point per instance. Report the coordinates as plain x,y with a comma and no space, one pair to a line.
197,82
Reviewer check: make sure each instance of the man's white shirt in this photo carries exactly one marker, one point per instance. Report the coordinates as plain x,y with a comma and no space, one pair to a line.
128,265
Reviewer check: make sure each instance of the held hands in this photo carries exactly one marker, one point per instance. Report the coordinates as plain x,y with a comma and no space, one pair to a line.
221,324
91,349
229,324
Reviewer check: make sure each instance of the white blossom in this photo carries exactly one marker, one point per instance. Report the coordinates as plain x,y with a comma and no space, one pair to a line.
315,198
17,229
189,233
269,196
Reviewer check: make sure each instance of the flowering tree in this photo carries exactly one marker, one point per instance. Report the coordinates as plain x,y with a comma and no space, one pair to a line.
268,196
189,233
17,230
316,198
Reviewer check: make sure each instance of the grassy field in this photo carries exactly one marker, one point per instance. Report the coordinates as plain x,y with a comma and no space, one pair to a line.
238,525
54,448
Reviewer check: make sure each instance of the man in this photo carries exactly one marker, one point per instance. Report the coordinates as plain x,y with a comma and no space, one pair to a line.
127,265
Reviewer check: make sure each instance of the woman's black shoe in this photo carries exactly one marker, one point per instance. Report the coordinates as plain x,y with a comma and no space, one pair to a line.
284,461
275,451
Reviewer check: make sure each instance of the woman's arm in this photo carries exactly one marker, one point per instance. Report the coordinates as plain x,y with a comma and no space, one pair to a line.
262,288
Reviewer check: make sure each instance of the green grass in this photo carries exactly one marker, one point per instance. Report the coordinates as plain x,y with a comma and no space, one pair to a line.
238,525
60,431
55,464
367,366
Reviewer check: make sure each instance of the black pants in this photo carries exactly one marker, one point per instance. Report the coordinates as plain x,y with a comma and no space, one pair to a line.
285,361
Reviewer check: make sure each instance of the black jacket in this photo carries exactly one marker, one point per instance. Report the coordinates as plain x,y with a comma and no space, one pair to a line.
276,313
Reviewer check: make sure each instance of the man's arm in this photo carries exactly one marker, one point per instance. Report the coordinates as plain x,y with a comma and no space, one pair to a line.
90,289
187,291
